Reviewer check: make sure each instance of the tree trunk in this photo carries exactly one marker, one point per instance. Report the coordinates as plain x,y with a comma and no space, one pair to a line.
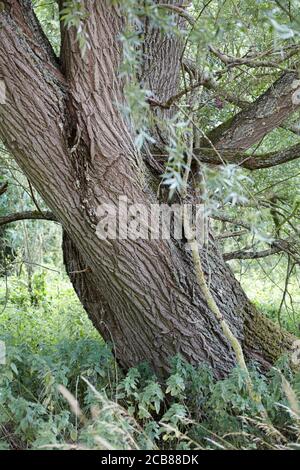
64,129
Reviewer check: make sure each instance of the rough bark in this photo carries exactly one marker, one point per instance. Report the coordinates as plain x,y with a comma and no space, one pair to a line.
64,129
265,114
160,70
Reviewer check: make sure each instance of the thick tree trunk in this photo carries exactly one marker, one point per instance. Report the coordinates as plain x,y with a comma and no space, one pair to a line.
198,338
68,136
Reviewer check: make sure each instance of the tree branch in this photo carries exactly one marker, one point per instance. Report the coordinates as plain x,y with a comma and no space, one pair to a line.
237,233
36,100
266,113
262,107
230,220
204,80
253,60
288,246
180,10
251,162
28,215
210,83
243,254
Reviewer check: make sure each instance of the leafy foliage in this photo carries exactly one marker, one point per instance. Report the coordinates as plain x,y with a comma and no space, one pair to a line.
191,410
52,343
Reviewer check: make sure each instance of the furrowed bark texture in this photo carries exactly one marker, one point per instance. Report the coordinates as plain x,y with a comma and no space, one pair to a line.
267,113
160,69
66,132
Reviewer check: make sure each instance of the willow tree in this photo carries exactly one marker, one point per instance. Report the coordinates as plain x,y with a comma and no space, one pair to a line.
63,122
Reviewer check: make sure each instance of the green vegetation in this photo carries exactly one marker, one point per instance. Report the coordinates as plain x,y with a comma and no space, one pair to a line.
52,344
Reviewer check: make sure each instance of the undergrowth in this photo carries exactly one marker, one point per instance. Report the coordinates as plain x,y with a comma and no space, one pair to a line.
61,388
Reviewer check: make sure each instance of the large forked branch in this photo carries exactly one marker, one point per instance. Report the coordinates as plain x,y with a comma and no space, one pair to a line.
251,162
36,94
267,113
27,215
249,126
